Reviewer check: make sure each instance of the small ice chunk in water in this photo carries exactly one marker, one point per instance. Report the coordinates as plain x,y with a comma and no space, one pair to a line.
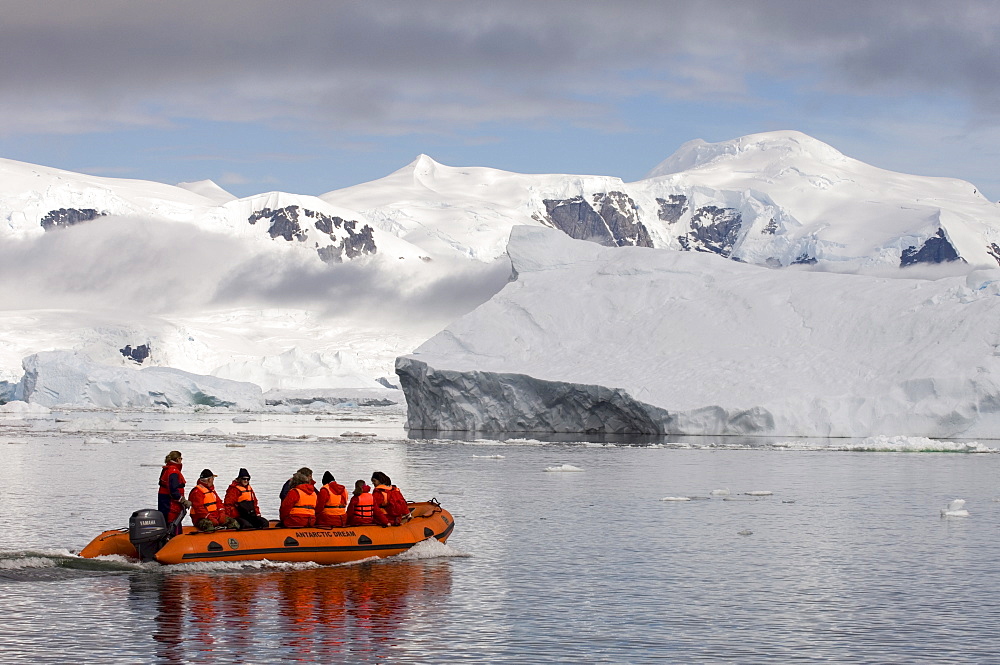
956,508
563,467
759,493
720,492
676,498
744,532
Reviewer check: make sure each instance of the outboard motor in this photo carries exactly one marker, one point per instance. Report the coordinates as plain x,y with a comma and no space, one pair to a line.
147,531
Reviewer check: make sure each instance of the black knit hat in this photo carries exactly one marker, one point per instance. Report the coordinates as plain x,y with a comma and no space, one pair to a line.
327,477
243,474
206,473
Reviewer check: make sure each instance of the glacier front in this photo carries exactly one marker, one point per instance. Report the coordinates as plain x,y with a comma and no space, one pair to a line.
587,338
67,378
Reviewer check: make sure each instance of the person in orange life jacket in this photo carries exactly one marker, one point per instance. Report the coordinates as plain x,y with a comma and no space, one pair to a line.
331,506
170,498
299,506
361,511
241,503
305,471
207,511
389,500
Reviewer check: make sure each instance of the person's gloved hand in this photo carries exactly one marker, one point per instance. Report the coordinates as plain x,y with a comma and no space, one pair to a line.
186,504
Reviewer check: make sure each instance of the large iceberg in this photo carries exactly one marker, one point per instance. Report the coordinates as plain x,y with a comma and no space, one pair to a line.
588,338
66,378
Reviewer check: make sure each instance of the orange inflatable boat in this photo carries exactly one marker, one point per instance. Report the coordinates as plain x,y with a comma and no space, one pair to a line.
146,539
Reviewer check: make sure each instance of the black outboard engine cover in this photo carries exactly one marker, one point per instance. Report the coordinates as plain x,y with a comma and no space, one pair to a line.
147,531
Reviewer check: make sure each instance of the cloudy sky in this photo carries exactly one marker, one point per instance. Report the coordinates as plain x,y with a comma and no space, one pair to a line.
311,96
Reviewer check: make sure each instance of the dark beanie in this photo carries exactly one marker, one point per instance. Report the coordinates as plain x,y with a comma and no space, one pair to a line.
243,474
327,477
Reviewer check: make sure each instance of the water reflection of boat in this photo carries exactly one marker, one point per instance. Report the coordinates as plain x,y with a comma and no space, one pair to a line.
324,545
331,614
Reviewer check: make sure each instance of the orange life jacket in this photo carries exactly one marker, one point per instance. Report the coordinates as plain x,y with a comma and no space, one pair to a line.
337,503
384,489
305,505
209,500
246,494
364,508
165,478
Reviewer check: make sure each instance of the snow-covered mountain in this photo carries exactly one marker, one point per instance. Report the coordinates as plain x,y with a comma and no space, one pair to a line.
774,199
37,199
302,292
595,339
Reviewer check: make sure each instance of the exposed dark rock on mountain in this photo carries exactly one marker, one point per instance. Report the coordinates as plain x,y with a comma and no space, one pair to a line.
994,250
610,221
935,249
672,208
804,259
64,217
713,229
352,246
284,223
138,354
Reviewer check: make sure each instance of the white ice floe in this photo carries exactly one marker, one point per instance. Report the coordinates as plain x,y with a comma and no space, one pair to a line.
720,492
24,409
96,440
676,498
563,467
489,456
956,508
759,493
923,444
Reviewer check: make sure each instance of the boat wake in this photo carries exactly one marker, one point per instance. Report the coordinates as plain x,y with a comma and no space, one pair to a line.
57,564
35,565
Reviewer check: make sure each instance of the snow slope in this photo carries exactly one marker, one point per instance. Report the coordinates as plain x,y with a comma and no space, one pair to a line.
590,338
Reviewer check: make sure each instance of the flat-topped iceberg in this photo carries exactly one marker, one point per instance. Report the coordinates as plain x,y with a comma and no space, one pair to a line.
587,338
66,378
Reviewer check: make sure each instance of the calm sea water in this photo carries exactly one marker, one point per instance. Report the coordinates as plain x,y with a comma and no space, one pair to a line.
848,561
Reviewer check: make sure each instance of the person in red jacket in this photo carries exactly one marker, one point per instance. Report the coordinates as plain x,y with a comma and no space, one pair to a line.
299,506
241,503
207,511
170,498
361,511
389,500
331,506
